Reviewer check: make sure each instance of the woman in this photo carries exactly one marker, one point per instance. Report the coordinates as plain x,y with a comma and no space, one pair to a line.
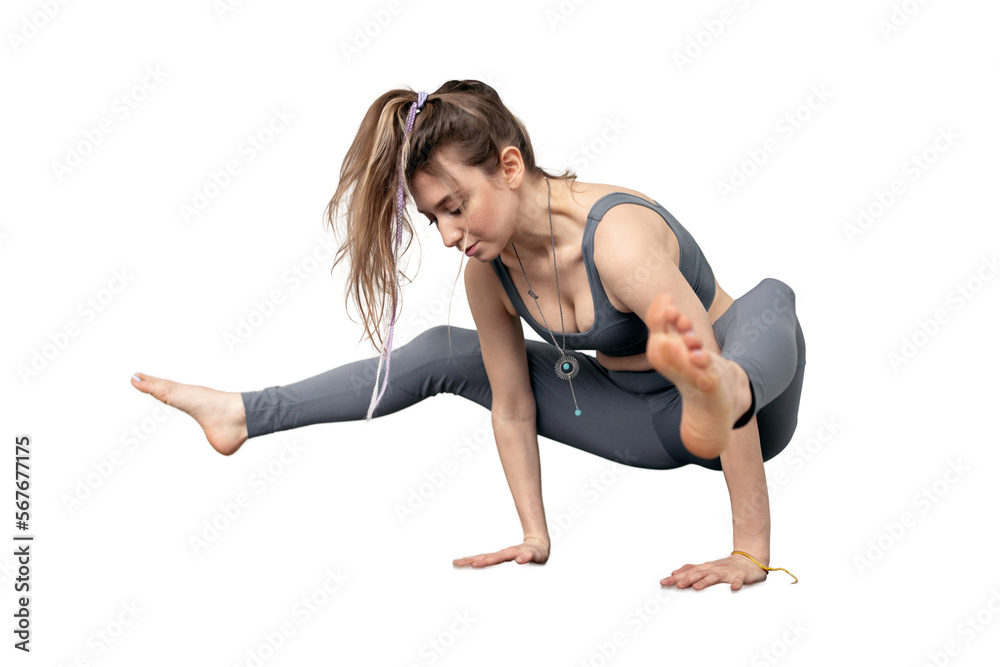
699,378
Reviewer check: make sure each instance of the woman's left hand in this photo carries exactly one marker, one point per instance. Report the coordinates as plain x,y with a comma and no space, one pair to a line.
735,570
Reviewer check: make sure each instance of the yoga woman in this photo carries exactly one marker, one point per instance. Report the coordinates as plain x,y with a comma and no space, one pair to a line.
683,373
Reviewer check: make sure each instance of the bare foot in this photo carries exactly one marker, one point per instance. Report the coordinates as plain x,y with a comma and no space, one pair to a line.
715,391
219,413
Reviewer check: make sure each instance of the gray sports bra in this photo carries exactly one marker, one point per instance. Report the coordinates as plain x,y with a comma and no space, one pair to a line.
615,333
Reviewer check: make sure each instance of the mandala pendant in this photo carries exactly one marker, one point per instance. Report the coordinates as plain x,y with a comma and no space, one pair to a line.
567,367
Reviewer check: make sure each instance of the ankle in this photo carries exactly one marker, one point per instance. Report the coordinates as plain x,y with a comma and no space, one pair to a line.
234,403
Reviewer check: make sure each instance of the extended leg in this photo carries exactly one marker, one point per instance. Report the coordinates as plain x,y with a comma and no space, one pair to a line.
615,423
422,368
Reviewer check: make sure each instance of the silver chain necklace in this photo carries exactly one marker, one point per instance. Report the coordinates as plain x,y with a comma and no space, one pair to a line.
566,366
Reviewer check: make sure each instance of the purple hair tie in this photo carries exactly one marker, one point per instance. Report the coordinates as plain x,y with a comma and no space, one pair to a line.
414,108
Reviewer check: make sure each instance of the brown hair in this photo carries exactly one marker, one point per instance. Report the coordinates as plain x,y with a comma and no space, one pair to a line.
466,117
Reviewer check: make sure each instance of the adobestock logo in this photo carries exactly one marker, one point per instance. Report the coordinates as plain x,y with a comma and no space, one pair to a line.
924,500
122,106
787,126
247,151
913,167
32,25
590,151
87,309
712,28
898,17
957,297
365,34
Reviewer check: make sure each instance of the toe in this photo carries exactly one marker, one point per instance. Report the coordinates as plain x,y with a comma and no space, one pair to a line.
700,359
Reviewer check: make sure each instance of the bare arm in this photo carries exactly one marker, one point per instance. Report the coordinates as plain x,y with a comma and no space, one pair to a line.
517,443
743,467
628,242
513,411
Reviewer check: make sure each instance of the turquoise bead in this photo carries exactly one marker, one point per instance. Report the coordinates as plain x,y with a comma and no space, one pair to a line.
577,413
566,366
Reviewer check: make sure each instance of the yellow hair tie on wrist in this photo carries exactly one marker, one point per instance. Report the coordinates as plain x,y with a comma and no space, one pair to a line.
742,553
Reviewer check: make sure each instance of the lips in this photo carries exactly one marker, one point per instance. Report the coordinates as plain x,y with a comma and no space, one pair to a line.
471,249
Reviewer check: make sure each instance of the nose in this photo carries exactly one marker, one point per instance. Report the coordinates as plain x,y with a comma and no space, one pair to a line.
451,234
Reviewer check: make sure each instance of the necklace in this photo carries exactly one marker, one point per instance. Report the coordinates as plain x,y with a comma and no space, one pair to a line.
566,366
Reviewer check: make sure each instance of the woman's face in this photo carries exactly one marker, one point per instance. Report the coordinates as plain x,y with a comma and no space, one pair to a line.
485,227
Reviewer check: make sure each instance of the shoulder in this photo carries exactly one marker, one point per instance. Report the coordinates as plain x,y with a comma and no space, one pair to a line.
630,236
636,254
482,283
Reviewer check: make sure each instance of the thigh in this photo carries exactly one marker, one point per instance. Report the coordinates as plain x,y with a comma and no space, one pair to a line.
615,422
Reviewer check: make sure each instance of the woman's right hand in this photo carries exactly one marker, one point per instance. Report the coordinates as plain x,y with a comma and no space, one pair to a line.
532,550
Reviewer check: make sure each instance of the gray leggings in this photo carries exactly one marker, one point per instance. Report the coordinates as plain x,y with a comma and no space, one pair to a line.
632,417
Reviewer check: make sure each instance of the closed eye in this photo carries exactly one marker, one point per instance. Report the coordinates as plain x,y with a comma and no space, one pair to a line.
457,212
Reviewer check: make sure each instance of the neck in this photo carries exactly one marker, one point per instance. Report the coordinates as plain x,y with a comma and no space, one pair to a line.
532,234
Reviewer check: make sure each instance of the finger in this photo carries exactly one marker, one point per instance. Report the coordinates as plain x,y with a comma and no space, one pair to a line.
709,579
492,559
463,561
687,566
737,583
468,559
689,576
685,579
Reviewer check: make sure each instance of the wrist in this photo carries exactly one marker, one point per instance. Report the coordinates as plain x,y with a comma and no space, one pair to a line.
542,539
754,540
762,554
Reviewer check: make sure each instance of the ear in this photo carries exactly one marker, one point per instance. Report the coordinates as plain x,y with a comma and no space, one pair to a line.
512,166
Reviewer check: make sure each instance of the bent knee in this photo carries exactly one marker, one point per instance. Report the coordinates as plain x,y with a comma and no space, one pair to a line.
435,337
444,337
781,291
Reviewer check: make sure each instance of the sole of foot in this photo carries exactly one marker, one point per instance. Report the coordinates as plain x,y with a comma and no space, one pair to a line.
713,389
219,413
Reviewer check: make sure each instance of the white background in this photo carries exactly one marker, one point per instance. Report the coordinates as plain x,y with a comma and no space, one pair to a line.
570,72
